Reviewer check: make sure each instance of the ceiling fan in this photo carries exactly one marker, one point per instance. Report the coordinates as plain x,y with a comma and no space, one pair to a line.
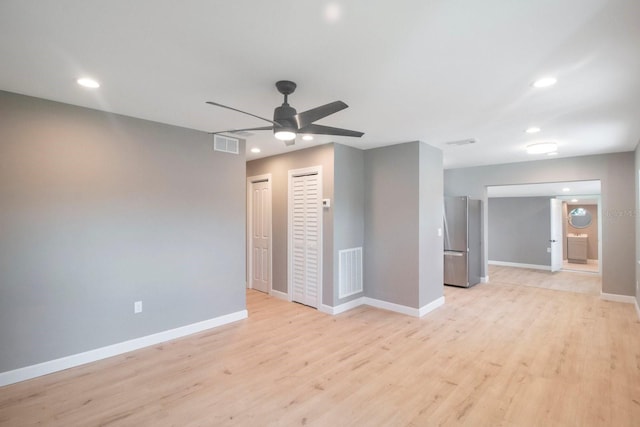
287,122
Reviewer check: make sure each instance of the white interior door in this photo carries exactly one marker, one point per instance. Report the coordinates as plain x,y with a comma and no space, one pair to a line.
260,234
555,239
305,230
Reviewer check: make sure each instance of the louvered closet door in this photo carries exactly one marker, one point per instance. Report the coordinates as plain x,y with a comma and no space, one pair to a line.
305,228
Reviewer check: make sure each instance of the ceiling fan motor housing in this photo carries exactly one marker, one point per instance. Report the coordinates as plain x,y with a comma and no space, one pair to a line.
285,117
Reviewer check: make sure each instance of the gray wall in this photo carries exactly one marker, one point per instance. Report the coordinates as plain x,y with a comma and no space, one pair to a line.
431,209
348,207
100,210
403,210
279,167
616,174
391,224
519,230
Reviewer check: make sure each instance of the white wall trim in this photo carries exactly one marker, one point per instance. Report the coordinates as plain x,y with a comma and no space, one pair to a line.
638,310
618,298
520,265
431,306
280,295
44,368
385,305
343,307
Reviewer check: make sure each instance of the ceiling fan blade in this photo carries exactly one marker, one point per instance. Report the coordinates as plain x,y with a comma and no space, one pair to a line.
243,112
242,130
307,117
328,130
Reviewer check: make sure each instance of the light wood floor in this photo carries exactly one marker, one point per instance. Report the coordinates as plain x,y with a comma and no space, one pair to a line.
570,281
493,355
592,266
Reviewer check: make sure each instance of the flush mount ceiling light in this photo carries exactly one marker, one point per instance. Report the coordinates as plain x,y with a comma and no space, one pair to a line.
255,150
307,138
566,189
542,148
533,129
87,82
553,153
574,200
545,82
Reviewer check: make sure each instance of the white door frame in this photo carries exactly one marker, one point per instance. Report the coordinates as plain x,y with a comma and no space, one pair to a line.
251,180
292,173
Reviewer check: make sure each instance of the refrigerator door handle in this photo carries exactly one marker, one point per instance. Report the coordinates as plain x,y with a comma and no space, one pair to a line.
452,253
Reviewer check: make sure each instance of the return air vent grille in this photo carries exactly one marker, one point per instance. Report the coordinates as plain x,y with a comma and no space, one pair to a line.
226,144
350,272
462,142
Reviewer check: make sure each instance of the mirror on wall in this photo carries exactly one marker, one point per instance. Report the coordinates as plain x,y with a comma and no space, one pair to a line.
579,218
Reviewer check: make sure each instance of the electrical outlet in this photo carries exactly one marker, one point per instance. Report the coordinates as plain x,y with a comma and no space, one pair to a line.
439,232
548,250
137,307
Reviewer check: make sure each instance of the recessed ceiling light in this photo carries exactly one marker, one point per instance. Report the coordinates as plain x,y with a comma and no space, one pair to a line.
553,153
333,12
87,82
542,148
255,150
533,130
545,82
308,138
566,189
574,200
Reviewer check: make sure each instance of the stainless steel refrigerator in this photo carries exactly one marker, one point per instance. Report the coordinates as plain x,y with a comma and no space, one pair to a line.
462,225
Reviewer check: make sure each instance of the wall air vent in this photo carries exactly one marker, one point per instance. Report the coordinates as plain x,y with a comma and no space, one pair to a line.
462,142
349,272
226,144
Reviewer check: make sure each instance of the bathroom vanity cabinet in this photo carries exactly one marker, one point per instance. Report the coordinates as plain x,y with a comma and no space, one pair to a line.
577,249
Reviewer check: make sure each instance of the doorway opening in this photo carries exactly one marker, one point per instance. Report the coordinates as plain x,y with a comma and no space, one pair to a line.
546,235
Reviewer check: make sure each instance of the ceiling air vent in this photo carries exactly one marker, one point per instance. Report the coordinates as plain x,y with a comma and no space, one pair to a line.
242,133
226,144
462,142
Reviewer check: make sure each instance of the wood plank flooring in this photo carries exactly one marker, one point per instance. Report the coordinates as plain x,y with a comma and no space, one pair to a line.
570,281
493,355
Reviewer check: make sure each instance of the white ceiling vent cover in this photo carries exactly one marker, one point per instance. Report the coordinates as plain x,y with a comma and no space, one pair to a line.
226,144
461,142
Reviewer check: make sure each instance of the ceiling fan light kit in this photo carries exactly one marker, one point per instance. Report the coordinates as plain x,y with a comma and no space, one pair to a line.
287,122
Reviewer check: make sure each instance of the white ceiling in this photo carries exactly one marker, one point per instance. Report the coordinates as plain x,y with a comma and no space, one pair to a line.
435,71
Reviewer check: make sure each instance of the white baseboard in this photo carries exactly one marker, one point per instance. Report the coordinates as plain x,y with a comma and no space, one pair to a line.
618,298
279,295
33,371
638,310
403,309
342,307
431,306
520,265
385,305
484,279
